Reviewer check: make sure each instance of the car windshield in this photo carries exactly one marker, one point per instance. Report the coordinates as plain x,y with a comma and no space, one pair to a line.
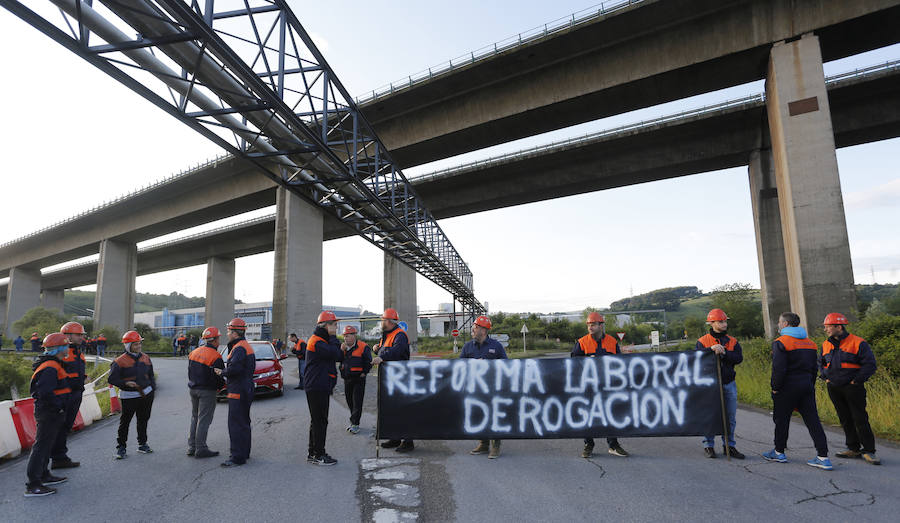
263,351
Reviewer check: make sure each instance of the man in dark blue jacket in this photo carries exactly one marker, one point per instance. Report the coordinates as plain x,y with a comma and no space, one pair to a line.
356,365
50,390
323,351
73,361
483,347
729,352
394,346
133,373
794,368
204,384
846,363
19,342
239,376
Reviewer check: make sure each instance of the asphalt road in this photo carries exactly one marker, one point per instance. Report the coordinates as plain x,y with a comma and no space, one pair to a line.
665,479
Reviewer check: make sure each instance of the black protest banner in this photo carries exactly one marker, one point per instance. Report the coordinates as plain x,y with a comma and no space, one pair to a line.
654,394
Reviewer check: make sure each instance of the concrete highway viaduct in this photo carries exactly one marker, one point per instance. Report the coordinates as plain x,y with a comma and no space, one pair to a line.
793,175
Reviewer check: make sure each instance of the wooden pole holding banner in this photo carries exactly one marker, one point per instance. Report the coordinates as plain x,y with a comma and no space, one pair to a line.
722,403
377,408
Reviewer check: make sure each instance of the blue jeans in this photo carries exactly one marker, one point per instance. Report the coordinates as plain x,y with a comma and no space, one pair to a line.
730,391
302,366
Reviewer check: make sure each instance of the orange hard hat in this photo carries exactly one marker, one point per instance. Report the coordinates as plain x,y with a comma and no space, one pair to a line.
131,337
237,324
349,329
73,327
595,317
210,333
835,318
391,314
55,340
326,316
716,315
483,321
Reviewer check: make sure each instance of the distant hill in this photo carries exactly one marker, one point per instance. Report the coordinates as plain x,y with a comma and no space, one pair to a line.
669,299
80,301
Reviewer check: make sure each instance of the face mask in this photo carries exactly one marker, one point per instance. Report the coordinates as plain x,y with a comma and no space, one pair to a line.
55,350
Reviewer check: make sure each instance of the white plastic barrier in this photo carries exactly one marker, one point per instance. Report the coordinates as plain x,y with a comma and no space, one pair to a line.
90,408
10,447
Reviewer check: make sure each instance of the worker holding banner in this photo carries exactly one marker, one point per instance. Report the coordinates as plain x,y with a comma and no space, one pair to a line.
587,346
729,353
483,347
394,346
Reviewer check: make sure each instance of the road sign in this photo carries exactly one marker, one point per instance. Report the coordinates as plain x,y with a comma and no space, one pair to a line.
524,329
454,332
621,335
654,339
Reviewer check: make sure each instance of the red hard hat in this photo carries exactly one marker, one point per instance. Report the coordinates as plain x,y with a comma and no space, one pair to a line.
237,324
55,340
391,314
716,315
835,318
210,333
73,327
349,329
325,316
595,317
131,337
483,321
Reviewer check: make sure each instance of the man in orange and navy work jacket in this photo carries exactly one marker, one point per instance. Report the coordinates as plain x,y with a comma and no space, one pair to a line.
323,350
847,361
483,347
204,384
239,378
132,372
730,354
597,344
50,390
35,342
73,362
357,363
394,346
794,368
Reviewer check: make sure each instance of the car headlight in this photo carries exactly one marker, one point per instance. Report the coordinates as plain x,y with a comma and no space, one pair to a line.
268,374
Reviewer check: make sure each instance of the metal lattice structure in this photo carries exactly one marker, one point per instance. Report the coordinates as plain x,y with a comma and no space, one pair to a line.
245,74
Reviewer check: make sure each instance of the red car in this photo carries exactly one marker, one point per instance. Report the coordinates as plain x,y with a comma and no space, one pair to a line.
269,374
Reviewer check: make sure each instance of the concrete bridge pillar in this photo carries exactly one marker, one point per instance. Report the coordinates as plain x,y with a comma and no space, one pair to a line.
219,293
53,299
400,293
769,242
23,293
816,246
297,297
116,272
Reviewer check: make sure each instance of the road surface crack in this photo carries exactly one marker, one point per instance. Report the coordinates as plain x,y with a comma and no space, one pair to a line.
599,466
838,491
196,483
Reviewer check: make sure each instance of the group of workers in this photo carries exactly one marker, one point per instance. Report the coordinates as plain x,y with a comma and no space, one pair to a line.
845,362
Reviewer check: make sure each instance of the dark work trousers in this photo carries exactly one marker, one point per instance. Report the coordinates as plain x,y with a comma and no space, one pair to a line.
49,424
354,392
239,425
60,451
609,441
203,407
318,401
800,396
131,407
850,404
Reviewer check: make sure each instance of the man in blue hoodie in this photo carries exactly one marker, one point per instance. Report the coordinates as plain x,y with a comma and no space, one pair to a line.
483,347
794,370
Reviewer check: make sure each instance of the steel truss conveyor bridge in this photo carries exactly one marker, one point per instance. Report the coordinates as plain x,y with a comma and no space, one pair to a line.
245,74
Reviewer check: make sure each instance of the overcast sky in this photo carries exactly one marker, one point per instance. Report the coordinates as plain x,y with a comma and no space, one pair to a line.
73,138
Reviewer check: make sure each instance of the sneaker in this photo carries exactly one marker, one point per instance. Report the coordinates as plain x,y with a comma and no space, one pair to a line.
324,460
310,458
406,446
820,463
53,480
65,464
190,452
120,453
482,448
617,450
849,454
495,450
206,453
870,458
391,444
776,456
733,452
353,429
38,491
709,452
145,449
587,450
